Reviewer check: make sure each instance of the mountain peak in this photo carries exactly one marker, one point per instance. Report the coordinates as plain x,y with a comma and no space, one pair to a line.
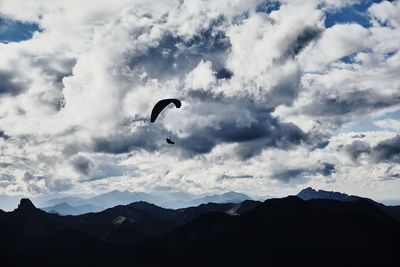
26,204
310,193
309,189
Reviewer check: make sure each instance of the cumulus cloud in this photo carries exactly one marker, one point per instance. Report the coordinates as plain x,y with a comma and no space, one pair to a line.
265,88
388,150
357,148
390,124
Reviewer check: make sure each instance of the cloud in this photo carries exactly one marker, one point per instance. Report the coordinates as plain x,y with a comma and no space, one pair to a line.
10,84
83,165
357,148
266,89
387,150
390,124
327,169
301,175
222,177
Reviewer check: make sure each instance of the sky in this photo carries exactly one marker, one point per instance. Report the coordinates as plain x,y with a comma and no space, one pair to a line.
276,96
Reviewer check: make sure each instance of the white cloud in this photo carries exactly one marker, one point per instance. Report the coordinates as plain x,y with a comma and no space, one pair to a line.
83,89
389,124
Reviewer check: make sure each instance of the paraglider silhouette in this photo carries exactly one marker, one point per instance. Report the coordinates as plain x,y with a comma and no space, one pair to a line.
160,107
169,141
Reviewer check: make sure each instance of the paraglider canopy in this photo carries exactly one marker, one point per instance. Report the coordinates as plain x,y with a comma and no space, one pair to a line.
169,141
161,105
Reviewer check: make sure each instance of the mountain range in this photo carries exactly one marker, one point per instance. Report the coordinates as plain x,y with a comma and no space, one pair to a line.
287,231
76,205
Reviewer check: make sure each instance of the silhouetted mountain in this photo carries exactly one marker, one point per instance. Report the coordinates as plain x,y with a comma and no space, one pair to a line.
277,232
66,209
122,223
288,232
310,193
141,219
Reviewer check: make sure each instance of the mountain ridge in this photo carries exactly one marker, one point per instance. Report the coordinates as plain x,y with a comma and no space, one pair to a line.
309,230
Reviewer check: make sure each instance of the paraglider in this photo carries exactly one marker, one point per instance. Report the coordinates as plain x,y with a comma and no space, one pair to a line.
169,141
160,107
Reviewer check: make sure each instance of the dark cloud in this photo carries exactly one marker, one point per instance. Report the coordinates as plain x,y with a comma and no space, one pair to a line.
176,56
356,102
285,92
4,135
327,169
106,170
356,148
261,130
390,177
321,145
223,74
300,174
387,150
83,165
228,177
287,176
303,39
11,84
252,127
146,138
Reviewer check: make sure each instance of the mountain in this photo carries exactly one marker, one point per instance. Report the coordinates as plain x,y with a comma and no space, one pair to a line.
229,197
122,223
73,201
66,209
288,232
116,197
138,220
310,193
279,232
174,200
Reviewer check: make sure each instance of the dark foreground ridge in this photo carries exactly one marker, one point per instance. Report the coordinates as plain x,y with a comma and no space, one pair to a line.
277,232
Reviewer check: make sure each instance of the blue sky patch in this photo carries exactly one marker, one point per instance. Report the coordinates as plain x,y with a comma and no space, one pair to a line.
268,6
351,14
16,31
366,123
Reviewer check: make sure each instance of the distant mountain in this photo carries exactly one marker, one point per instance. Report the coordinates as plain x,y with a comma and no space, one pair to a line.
73,201
229,197
66,209
173,200
280,232
116,197
310,193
